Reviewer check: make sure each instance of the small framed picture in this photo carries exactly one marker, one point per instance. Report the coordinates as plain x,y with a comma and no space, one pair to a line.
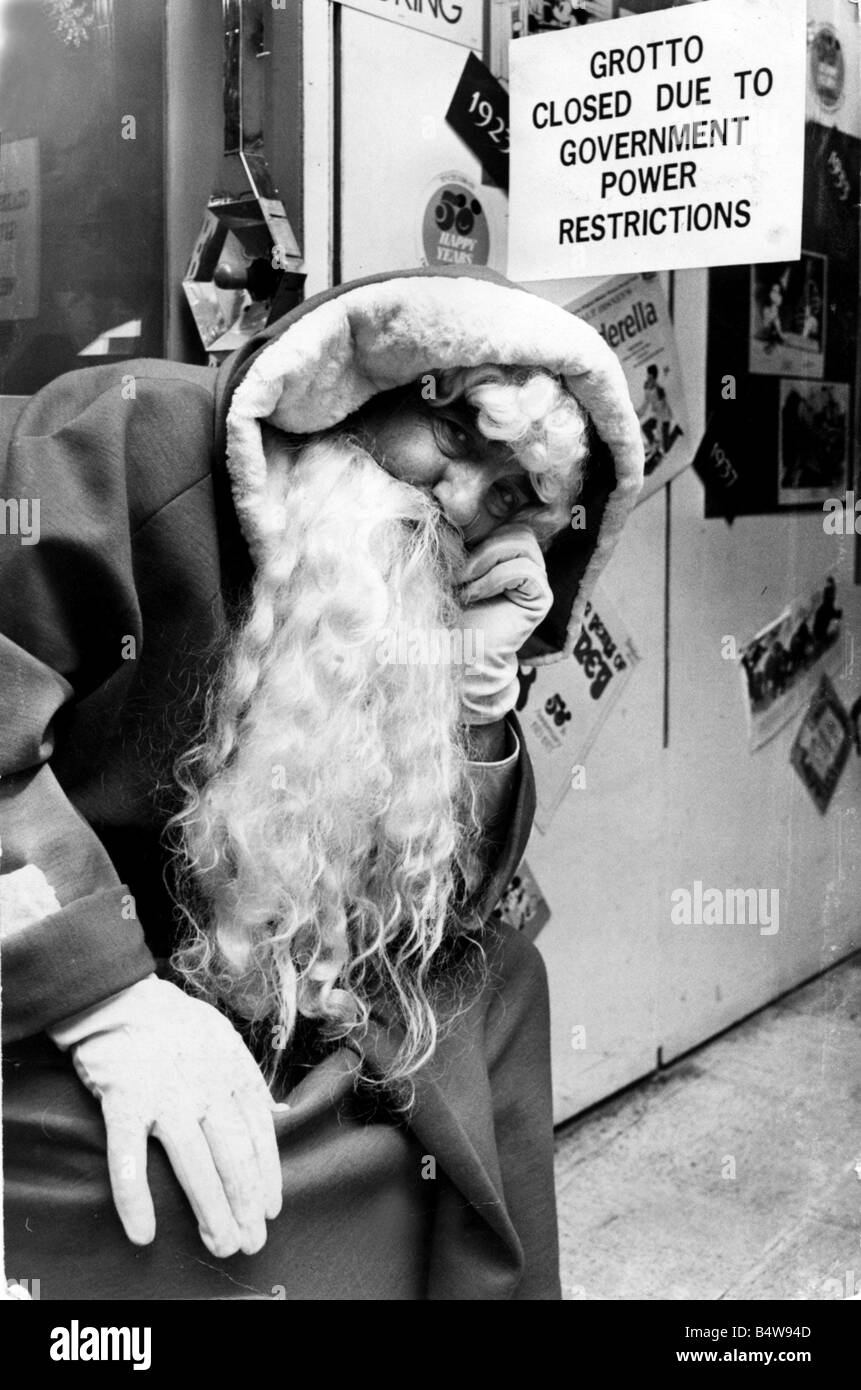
788,302
822,745
814,441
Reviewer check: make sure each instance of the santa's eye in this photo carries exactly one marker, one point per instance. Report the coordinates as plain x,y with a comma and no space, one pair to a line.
506,497
454,440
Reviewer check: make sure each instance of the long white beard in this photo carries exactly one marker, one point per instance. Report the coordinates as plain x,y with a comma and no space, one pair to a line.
328,802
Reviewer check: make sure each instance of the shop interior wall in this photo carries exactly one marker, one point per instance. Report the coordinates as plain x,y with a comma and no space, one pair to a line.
734,817
674,795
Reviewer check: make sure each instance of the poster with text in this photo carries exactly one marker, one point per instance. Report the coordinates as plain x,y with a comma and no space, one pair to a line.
677,142
631,315
461,22
563,706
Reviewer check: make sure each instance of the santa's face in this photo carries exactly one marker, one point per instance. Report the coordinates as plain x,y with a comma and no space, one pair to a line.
478,484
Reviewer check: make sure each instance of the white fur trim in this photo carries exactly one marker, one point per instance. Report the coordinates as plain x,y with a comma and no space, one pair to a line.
26,896
375,337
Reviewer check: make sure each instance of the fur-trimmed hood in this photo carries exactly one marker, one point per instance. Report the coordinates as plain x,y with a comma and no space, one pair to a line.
314,367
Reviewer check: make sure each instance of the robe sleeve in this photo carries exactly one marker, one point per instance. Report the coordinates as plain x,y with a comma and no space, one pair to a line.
67,603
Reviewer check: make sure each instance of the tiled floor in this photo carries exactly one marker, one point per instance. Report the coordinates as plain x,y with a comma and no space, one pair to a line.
732,1173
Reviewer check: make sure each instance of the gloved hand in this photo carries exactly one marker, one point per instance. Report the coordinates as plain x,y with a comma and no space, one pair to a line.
506,594
165,1064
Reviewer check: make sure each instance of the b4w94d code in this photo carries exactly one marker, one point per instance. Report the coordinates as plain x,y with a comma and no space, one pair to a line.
715,1333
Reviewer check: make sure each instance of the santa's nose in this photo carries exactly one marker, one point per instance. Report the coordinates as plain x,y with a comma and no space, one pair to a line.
459,493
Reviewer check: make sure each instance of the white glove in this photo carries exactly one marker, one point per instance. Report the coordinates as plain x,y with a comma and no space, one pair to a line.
165,1064
506,594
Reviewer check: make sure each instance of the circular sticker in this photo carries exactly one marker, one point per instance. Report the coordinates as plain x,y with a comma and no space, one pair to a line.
455,227
827,67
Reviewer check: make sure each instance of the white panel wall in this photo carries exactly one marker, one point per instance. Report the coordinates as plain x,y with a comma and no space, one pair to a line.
736,818
654,819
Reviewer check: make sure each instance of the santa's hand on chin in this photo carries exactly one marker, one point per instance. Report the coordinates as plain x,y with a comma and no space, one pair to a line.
505,594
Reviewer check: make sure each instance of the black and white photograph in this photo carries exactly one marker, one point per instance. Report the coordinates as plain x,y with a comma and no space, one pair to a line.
545,16
814,457
430,807
783,662
788,317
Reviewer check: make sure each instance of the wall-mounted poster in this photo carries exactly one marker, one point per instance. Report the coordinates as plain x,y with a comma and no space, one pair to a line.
563,706
822,744
781,664
631,315
662,149
782,350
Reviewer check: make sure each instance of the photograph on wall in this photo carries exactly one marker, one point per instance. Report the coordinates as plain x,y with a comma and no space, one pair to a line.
762,330
631,315
814,441
549,16
562,706
822,744
626,8
523,906
787,317
782,663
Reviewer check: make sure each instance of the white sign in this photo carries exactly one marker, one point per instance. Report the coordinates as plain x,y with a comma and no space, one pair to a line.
670,140
459,21
19,229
